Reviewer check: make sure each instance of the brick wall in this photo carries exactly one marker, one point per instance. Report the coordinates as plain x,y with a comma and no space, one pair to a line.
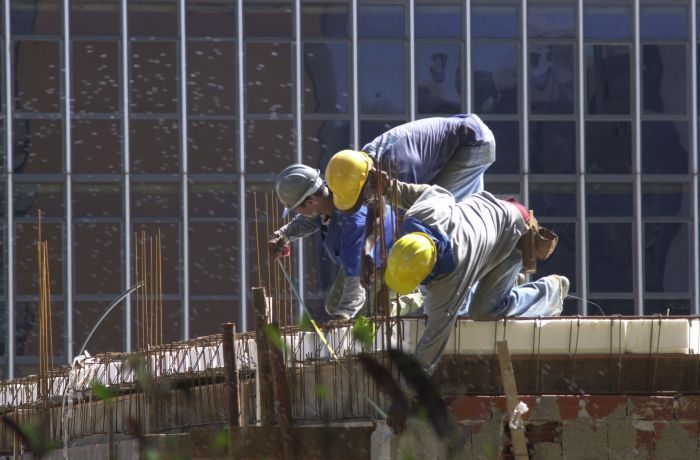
588,426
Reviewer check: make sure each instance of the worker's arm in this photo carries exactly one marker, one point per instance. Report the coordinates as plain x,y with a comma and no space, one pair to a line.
403,193
352,229
299,227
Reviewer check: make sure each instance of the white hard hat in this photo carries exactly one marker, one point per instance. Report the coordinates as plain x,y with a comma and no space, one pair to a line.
295,183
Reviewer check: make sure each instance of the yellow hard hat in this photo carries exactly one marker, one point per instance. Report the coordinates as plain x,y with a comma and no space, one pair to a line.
346,174
410,261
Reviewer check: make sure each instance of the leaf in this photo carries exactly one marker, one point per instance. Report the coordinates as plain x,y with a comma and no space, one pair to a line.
322,392
101,392
305,323
273,334
428,396
364,331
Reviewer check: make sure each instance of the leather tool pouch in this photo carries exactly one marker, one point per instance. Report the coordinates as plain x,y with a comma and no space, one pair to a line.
537,243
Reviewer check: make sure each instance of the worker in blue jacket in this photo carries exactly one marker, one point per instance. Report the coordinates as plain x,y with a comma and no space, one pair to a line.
301,188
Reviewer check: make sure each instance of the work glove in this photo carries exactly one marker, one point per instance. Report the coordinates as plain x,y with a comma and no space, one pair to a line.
278,245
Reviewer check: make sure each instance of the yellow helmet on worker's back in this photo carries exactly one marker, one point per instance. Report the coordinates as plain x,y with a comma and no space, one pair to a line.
346,174
410,261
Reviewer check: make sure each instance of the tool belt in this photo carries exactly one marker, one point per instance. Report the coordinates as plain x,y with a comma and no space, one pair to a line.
537,243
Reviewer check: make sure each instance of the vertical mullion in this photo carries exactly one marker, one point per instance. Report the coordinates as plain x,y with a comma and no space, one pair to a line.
298,82
185,249
636,169
9,212
582,276
525,129
694,224
68,178
411,60
126,111
355,80
468,54
241,177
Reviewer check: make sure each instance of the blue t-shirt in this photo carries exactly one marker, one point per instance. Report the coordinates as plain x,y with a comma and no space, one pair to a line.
421,149
343,237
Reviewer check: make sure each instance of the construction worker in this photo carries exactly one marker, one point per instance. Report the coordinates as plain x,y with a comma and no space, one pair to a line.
301,188
448,246
452,152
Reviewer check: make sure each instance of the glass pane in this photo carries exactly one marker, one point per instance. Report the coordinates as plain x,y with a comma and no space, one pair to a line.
32,17
95,76
382,85
667,307
97,199
153,18
213,199
495,78
664,79
608,147
98,248
37,146
213,251
27,335
563,259
270,145
325,20
438,76
665,200
326,77
551,78
206,316
269,73
438,21
663,21
551,21
267,19
211,77
322,139
671,140
603,21
369,129
212,146
553,200
507,147
552,147
610,243
171,262
26,277
608,77
494,22
172,316
31,197
381,21
108,337
155,199
155,146
213,18
610,307
154,77
94,17
666,253
37,76
609,200
97,146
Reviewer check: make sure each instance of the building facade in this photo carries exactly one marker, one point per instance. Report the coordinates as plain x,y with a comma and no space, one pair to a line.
174,116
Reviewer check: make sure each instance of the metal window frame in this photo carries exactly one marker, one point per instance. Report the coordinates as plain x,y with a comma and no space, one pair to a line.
9,211
638,256
694,186
582,221
184,209
68,194
242,256
126,170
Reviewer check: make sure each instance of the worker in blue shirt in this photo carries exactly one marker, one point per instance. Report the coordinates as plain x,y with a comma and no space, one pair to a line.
301,188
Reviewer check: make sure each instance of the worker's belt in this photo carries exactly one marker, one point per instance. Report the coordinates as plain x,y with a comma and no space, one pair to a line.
537,243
